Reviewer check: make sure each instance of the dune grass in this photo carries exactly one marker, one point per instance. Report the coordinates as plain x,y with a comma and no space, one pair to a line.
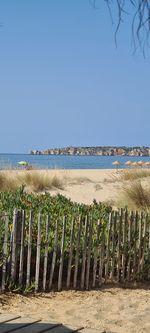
134,174
136,196
33,180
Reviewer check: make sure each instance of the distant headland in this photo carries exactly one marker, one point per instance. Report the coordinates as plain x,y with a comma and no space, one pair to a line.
95,151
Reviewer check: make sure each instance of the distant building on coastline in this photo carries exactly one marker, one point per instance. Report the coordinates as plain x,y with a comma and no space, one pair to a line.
95,151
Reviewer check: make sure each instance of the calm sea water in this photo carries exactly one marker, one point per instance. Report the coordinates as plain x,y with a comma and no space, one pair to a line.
65,162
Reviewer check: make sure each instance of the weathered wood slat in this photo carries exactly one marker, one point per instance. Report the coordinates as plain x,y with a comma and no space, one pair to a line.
54,256
77,253
144,241
46,253
65,329
124,245
14,245
91,330
135,244
89,254
130,246
39,327
119,245
70,253
140,243
17,325
96,254
101,258
113,246
29,249
60,274
84,253
5,252
37,271
22,248
149,250
108,247
6,317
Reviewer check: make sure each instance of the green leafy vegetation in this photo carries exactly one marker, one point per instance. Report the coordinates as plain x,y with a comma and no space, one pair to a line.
57,206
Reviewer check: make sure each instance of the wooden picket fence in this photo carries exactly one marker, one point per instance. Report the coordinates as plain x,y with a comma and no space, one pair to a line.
73,254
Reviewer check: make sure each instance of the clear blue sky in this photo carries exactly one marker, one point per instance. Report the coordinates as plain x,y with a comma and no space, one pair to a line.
62,80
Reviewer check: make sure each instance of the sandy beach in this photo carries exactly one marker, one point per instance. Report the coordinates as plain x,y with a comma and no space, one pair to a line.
84,185
103,185
113,310
80,185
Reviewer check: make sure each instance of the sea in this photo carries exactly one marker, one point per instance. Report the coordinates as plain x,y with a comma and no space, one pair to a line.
10,161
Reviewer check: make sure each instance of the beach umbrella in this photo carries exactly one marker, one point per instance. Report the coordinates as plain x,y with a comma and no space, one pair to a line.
128,163
147,164
116,163
140,163
134,164
23,163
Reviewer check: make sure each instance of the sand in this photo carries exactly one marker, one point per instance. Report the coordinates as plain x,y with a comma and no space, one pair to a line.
112,309
88,184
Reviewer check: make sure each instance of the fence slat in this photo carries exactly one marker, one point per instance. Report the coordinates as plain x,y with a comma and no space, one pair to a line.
101,258
89,254
96,254
135,244
113,246
5,251
144,241
77,253
46,253
37,271
84,252
108,246
54,256
149,251
124,245
14,245
22,248
29,249
119,245
62,256
129,246
70,253
140,243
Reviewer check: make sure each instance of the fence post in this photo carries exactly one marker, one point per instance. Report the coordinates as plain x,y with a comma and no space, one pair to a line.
37,270
22,248
54,256
70,253
29,249
46,252
113,246
77,253
124,245
96,253
119,245
14,245
89,254
130,245
108,246
84,252
62,255
5,252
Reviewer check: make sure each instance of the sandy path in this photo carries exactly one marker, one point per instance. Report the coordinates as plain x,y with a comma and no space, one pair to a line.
86,185
116,310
